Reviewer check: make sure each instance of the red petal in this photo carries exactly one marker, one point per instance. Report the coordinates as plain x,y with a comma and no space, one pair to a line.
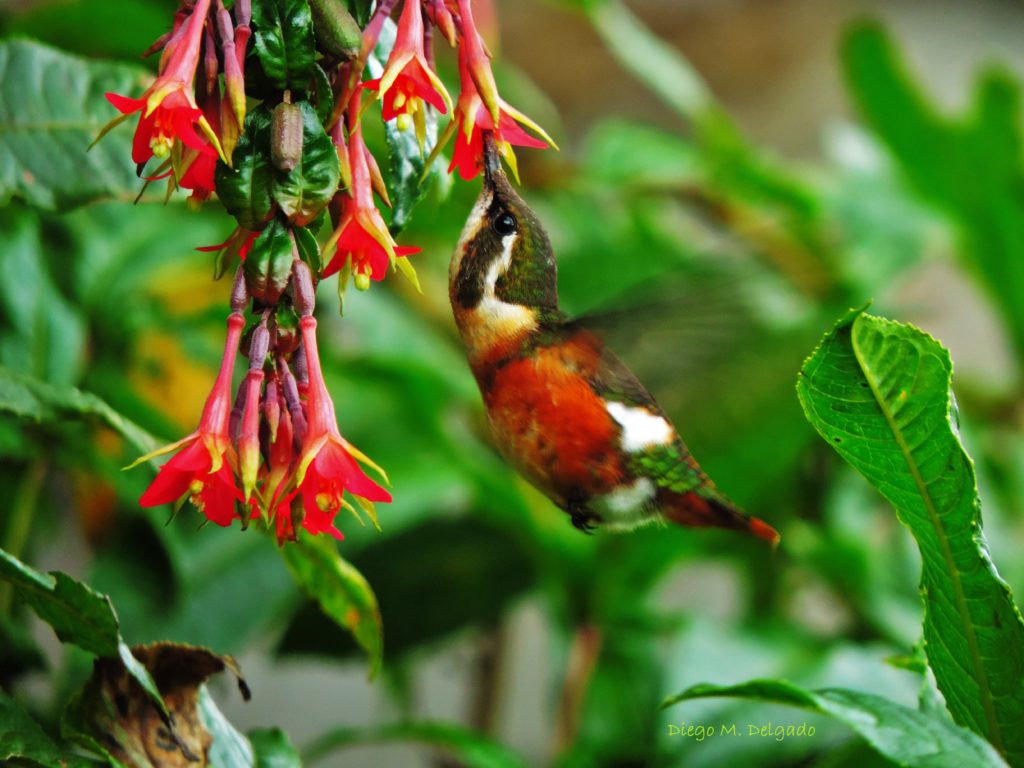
141,150
174,478
123,104
218,497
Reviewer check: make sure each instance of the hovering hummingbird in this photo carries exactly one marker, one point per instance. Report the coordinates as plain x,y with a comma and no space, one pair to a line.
563,409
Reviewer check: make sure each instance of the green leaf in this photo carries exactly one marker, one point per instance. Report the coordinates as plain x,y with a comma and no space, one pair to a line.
77,614
246,188
34,400
879,393
651,60
340,590
22,737
969,165
304,191
904,735
476,571
274,749
41,333
406,160
469,747
269,264
51,109
284,42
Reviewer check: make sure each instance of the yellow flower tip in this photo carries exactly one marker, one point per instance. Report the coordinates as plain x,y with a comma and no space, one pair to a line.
161,451
211,135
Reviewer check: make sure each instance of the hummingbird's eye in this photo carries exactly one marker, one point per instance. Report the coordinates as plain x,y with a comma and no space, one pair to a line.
504,224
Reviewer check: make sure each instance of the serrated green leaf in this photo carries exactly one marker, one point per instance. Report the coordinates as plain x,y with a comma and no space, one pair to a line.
469,747
283,40
305,191
340,590
406,161
34,400
273,749
879,393
51,108
968,165
904,735
269,263
246,188
22,737
77,614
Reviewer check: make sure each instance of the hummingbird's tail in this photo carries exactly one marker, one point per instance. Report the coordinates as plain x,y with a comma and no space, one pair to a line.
696,510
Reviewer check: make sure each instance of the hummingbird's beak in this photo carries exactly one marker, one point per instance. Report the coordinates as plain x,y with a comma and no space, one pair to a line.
492,161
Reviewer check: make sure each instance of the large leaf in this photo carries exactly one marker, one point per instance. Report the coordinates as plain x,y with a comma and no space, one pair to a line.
34,400
77,614
340,590
455,574
51,108
22,737
41,334
879,393
968,165
469,747
904,735
284,41
304,191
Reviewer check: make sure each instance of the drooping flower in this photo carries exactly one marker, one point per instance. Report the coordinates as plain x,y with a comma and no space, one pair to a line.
327,466
362,240
168,107
203,467
408,79
480,108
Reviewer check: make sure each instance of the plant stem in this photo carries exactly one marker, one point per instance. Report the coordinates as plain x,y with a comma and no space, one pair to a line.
583,655
20,522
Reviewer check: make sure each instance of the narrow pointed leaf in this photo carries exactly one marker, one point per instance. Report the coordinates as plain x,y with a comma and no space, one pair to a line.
246,187
340,590
879,393
904,735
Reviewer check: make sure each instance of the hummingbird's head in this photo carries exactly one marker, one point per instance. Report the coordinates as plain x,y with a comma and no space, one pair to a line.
503,268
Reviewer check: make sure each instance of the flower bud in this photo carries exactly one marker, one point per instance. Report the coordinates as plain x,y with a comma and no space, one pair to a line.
249,436
286,136
259,345
337,33
303,292
239,293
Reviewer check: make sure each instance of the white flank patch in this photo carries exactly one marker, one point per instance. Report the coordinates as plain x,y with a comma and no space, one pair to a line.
640,428
627,506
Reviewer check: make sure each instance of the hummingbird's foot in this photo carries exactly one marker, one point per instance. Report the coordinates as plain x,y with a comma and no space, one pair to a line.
582,520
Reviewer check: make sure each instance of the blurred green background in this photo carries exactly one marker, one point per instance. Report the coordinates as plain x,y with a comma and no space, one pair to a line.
717,219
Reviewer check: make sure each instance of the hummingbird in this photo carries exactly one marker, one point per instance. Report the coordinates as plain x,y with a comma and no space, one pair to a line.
564,411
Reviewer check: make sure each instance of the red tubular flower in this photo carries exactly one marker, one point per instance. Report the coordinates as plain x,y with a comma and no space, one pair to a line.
202,468
479,109
327,467
169,109
362,238
408,79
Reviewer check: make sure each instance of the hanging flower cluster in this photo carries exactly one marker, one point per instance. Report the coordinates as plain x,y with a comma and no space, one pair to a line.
264,104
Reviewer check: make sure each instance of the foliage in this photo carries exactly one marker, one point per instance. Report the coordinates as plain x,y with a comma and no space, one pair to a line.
716,268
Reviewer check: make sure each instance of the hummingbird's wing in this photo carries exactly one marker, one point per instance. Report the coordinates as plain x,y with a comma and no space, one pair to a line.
684,493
